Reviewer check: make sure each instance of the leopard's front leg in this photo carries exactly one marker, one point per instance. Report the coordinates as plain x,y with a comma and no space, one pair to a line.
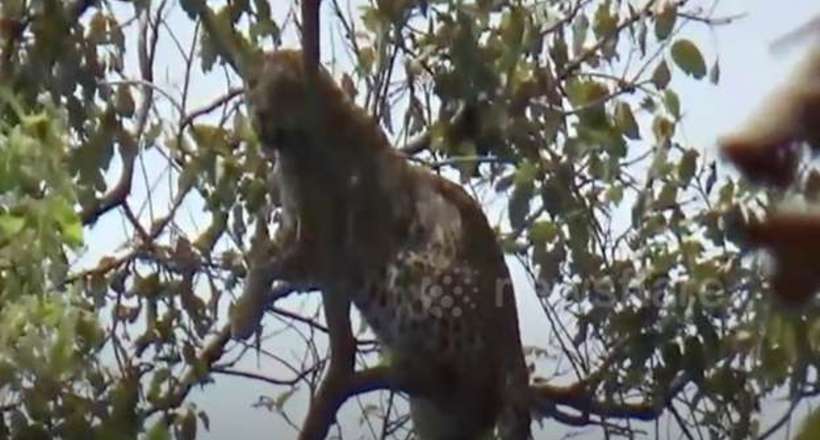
266,265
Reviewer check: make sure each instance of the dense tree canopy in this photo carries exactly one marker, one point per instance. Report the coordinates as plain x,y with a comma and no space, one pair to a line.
123,119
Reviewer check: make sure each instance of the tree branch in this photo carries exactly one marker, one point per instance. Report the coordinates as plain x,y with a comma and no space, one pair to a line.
118,194
333,393
310,36
580,397
209,355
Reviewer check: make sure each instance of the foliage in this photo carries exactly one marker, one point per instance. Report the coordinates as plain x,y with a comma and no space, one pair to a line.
566,112
50,338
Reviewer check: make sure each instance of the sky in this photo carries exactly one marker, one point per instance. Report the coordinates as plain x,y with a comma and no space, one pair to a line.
749,69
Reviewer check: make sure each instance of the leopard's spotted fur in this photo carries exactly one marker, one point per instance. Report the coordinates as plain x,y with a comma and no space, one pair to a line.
413,250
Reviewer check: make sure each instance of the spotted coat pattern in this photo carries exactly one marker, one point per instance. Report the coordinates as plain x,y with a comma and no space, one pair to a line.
413,250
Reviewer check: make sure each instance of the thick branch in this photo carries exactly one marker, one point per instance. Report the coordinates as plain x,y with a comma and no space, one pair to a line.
310,35
581,398
334,389
196,373
209,355
118,194
422,142
417,144
333,393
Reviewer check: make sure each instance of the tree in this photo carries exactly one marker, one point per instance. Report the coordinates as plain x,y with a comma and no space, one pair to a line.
564,111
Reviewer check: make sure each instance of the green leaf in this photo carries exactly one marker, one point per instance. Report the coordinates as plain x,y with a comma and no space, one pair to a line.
672,103
580,29
192,7
148,286
98,27
687,167
667,197
665,21
124,104
265,28
189,176
714,73
68,221
206,421
661,76
615,194
543,231
211,137
688,57
526,173
207,52
512,27
73,233
638,210
558,52
663,128
605,23
625,121
262,8
187,426
11,224
158,432
155,388
672,355
589,96
583,93
810,428
641,37
519,204
694,359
